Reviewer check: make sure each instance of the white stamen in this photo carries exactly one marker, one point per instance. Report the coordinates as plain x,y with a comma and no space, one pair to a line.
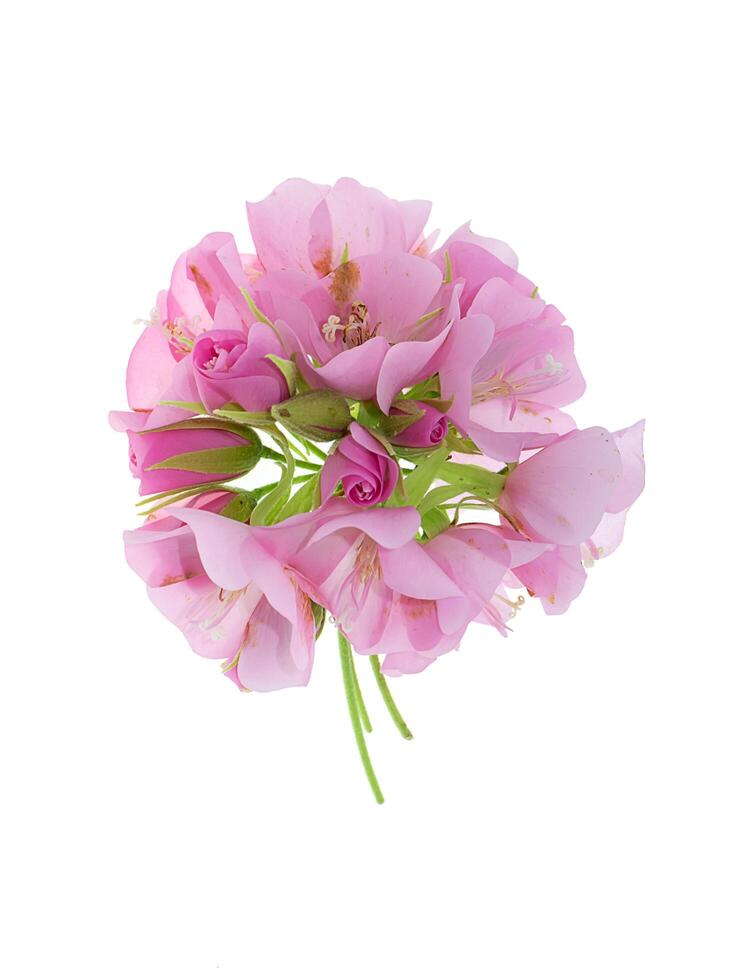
330,328
552,367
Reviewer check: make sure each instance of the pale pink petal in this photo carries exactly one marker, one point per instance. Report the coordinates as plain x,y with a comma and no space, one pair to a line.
630,444
215,269
279,225
397,289
150,369
500,249
506,304
405,364
353,372
412,571
266,661
555,577
414,215
561,492
467,342
606,537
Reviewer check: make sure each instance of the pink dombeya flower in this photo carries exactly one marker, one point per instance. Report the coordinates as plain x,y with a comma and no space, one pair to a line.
253,614
233,366
367,472
428,431
557,576
560,494
150,452
410,601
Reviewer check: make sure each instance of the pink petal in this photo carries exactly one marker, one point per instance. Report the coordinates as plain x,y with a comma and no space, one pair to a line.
150,369
279,225
412,571
500,249
556,578
561,492
630,443
505,304
267,661
405,364
353,372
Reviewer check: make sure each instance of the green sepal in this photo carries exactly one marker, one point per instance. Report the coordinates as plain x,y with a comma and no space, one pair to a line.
438,496
197,407
288,369
261,420
305,499
457,444
320,415
434,522
223,424
421,478
229,459
425,389
476,479
391,425
268,507
240,507
318,612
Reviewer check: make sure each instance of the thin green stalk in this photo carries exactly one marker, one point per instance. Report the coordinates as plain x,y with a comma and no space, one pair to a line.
316,451
268,453
388,698
348,678
362,710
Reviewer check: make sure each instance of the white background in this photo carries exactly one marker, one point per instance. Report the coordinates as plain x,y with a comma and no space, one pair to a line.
567,806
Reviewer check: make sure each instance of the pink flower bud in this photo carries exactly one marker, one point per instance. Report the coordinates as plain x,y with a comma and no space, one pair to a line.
367,472
427,432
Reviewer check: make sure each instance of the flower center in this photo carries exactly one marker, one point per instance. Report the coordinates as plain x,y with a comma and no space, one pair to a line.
549,374
367,561
355,332
223,355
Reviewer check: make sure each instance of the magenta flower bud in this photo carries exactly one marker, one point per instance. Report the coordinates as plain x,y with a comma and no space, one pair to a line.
176,458
367,473
428,431
233,366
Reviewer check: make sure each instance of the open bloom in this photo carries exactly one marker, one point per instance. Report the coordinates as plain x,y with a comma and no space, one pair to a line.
508,402
176,321
561,493
255,615
309,227
410,601
558,575
367,473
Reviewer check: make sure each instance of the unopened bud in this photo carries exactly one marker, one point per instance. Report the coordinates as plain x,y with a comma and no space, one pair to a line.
319,415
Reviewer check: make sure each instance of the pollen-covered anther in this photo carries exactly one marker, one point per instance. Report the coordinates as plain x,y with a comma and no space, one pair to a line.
359,330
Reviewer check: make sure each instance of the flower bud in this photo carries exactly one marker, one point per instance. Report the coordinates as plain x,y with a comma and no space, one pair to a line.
235,366
192,452
320,415
427,432
367,473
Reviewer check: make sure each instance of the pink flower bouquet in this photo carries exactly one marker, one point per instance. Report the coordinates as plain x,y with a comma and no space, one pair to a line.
405,402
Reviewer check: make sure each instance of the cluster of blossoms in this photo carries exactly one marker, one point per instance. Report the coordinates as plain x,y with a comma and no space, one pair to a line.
394,387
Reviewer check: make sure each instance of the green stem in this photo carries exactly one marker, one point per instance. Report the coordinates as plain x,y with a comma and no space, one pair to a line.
316,451
388,698
350,696
268,453
362,710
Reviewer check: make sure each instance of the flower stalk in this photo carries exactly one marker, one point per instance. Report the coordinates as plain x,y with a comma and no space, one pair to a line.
354,699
